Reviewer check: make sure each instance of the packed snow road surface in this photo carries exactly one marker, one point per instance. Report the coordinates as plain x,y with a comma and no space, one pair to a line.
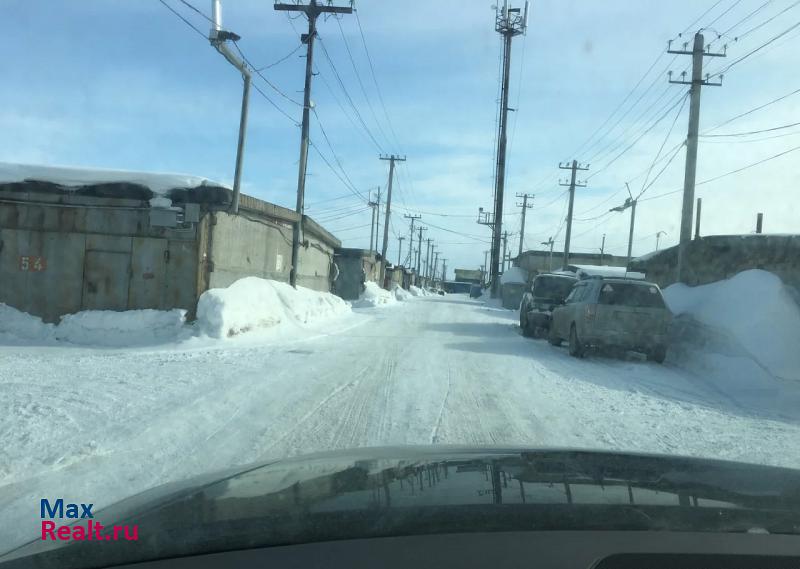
96,425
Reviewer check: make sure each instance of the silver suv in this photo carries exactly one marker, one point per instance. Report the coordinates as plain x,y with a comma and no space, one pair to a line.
613,312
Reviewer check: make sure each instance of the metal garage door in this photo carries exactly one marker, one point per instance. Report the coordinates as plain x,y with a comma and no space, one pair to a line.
105,281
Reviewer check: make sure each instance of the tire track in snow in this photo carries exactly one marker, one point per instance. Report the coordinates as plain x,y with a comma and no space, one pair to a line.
438,425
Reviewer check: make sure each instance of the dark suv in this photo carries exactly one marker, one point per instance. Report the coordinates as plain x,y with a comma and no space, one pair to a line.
613,312
546,292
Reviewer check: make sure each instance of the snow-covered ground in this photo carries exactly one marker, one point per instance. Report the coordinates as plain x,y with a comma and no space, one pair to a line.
99,423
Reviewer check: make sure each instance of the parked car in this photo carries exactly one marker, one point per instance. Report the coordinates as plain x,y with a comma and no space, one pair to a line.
475,291
613,312
545,293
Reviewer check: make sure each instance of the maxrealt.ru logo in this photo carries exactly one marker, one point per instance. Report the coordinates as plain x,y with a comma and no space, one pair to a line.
70,530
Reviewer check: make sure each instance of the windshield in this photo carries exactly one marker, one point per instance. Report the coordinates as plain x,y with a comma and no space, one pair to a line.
552,287
628,294
237,233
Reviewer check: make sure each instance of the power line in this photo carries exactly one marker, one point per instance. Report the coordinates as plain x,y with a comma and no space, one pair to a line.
336,158
261,75
757,49
765,22
750,132
195,9
700,17
744,114
747,17
736,171
281,60
348,97
360,83
185,21
752,140
661,148
715,20
375,80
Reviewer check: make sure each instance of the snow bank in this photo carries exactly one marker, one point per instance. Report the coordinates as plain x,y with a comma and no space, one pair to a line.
416,291
755,309
96,327
374,295
132,327
20,325
401,294
158,183
252,303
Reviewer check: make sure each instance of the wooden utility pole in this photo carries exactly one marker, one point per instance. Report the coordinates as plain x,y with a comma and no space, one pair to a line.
385,247
413,218
697,221
697,52
509,22
312,10
550,243
575,167
525,206
419,251
505,245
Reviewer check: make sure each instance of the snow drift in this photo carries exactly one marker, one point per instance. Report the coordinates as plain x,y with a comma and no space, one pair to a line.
374,295
252,303
752,310
132,327
401,294
96,327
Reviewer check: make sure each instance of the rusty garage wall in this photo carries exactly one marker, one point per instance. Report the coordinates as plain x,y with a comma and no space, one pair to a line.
60,254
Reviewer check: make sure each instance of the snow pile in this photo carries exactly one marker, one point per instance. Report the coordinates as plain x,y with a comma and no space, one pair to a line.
514,275
252,303
754,309
158,183
20,325
416,291
401,294
374,295
132,327
96,327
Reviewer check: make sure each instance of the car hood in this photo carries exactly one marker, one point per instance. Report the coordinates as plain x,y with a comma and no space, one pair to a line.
410,491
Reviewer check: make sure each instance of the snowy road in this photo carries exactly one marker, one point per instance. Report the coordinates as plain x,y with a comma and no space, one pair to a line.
97,425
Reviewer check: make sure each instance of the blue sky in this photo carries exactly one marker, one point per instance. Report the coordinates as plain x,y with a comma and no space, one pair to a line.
126,84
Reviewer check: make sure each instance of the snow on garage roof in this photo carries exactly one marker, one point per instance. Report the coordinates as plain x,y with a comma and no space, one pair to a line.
158,183
605,271
514,275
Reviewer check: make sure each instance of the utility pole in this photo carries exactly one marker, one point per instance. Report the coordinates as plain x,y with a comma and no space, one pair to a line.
575,167
697,221
550,242
602,249
759,222
428,250
435,264
384,248
312,10
485,267
413,218
373,229
629,203
419,251
509,22
697,52
505,244
444,270
218,38
525,206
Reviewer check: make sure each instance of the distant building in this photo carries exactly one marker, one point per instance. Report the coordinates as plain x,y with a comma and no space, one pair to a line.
536,262
468,276
718,257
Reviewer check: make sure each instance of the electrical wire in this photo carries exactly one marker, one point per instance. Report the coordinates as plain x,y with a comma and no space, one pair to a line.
765,22
661,148
753,110
734,134
263,77
756,50
715,20
347,95
185,21
281,60
336,158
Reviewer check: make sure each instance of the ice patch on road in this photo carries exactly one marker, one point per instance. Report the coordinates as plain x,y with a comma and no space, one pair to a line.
750,315
252,303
